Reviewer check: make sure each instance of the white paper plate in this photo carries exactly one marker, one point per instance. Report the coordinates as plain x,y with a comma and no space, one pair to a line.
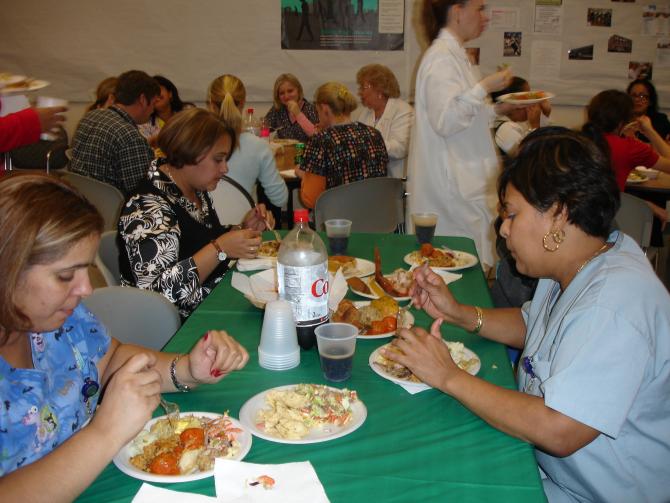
419,385
288,173
407,321
122,458
634,181
373,295
33,85
468,261
513,98
8,79
363,268
250,409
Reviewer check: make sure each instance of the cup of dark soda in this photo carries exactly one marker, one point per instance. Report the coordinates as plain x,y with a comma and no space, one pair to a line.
338,230
424,226
336,343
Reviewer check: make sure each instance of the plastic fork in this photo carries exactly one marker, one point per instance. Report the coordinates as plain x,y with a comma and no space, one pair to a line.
172,411
401,314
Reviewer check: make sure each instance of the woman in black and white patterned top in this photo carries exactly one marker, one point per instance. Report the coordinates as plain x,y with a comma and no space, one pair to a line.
169,230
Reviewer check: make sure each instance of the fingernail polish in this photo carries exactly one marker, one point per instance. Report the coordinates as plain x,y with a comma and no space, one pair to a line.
206,335
213,373
218,373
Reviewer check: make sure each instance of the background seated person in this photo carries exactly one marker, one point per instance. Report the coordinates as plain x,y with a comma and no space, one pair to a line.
592,386
107,145
291,116
645,102
170,235
343,151
384,110
252,161
104,94
512,127
56,359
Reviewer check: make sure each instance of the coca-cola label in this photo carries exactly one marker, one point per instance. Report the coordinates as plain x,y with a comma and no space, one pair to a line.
306,288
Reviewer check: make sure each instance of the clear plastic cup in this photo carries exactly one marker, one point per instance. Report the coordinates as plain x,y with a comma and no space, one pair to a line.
48,102
337,344
338,231
424,226
278,348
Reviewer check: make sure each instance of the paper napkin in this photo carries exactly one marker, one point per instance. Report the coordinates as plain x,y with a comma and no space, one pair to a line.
238,482
255,264
151,494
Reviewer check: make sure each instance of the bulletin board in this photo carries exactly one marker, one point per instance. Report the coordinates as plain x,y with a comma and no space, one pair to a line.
577,48
74,44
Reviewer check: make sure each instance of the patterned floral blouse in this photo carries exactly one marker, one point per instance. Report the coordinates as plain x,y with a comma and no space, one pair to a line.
346,153
280,121
161,230
44,406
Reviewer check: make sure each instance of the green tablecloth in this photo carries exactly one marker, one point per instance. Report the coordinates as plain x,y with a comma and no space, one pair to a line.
423,447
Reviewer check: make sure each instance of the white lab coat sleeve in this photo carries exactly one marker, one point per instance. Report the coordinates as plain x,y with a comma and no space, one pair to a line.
508,137
450,107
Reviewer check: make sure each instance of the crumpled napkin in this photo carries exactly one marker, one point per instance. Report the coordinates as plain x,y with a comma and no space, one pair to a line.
261,288
152,494
255,264
294,482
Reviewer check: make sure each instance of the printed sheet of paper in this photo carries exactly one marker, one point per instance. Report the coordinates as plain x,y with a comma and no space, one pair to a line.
545,60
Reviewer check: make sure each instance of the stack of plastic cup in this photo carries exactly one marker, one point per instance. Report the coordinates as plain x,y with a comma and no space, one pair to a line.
278,349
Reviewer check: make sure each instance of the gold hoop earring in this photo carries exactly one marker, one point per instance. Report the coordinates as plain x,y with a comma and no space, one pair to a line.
557,236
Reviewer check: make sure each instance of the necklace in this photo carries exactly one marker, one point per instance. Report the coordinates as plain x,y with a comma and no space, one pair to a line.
598,252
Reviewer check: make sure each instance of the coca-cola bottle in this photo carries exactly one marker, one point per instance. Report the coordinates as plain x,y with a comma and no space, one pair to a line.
302,273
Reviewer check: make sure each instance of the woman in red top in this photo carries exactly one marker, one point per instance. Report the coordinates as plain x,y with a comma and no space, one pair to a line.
610,120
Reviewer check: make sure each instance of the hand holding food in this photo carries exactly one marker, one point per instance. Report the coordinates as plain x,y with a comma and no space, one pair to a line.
293,108
131,395
644,123
425,354
216,355
258,218
242,243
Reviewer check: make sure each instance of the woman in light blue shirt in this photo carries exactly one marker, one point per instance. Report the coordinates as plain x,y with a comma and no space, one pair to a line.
595,369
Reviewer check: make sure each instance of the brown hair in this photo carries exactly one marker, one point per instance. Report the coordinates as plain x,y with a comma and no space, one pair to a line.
133,84
226,94
381,78
106,88
41,219
190,133
285,77
337,97
435,14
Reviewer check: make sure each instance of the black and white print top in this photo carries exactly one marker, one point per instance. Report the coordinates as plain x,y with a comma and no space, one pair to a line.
160,230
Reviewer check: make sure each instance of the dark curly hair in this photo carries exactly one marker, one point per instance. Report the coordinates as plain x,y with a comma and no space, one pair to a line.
558,166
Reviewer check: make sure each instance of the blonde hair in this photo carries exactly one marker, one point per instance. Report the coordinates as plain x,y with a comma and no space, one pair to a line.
291,79
381,78
41,219
337,97
225,94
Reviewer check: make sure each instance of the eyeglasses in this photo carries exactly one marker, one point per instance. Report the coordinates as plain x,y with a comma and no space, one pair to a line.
640,96
364,87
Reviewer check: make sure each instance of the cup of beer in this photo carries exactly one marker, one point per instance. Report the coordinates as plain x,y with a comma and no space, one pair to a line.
424,226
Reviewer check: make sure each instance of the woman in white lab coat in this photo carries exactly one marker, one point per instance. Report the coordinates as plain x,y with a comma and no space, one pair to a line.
453,164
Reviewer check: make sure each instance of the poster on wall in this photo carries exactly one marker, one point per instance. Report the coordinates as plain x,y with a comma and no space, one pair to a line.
364,25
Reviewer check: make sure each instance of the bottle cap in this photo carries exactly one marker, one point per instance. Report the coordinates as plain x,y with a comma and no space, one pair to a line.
301,215
250,110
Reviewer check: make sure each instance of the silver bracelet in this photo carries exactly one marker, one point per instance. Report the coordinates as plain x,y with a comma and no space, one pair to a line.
173,375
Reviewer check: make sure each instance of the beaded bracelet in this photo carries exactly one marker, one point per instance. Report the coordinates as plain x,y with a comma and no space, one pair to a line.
480,319
173,375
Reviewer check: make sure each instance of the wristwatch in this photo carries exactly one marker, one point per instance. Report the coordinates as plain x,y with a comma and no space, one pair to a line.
220,254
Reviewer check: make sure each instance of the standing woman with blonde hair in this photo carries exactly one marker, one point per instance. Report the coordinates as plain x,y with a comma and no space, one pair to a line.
252,161
343,151
384,110
291,115
453,162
